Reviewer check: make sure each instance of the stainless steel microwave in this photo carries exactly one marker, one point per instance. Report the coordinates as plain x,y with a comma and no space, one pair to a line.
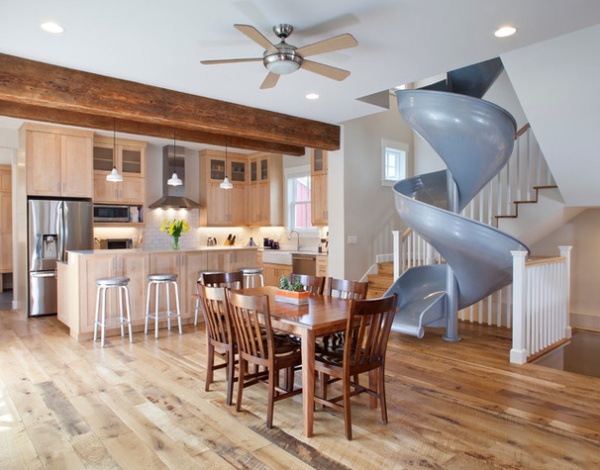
108,213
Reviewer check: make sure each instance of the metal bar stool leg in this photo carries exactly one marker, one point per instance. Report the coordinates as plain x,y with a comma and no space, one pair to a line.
177,305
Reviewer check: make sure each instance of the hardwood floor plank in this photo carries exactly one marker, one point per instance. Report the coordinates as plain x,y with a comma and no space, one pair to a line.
143,405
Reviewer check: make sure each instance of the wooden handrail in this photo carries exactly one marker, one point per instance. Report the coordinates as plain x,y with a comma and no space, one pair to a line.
522,131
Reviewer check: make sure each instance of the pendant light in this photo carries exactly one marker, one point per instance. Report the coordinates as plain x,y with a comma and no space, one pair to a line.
175,180
226,184
114,176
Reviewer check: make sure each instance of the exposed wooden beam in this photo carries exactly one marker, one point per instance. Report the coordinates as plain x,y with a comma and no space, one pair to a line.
71,118
58,88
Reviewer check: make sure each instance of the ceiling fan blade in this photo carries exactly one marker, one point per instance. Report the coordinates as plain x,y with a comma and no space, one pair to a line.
270,81
228,61
256,36
343,41
325,70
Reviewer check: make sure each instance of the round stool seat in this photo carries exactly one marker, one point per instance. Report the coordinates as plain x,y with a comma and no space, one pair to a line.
162,277
251,270
253,276
112,281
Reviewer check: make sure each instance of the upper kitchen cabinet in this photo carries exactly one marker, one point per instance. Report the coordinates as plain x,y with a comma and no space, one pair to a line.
5,221
58,160
318,187
129,158
223,207
265,190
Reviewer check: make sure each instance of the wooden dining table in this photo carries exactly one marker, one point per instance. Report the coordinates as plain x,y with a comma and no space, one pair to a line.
323,315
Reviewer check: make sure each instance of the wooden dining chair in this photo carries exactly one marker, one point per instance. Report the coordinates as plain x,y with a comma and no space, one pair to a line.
313,284
259,346
220,337
231,280
344,289
367,333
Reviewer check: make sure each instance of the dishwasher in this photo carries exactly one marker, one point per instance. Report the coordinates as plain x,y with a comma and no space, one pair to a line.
304,264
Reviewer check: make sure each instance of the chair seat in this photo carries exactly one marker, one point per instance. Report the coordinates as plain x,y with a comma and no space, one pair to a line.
112,281
162,277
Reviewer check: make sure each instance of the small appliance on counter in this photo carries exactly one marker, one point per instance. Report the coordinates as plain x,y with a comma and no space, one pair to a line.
116,243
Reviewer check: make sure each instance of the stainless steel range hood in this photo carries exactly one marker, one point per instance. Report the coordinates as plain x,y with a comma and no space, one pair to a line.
174,196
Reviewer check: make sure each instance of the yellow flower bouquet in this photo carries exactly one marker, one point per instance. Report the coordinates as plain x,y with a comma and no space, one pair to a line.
175,228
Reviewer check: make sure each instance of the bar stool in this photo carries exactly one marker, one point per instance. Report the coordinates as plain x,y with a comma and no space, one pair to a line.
196,297
252,276
157,280
105,283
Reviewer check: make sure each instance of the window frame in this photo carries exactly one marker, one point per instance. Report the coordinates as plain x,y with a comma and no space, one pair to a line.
294,173
403,165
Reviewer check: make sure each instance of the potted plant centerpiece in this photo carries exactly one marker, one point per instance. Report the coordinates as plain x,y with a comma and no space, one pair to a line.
291,293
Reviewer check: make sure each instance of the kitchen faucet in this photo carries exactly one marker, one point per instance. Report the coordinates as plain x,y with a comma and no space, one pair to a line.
297,239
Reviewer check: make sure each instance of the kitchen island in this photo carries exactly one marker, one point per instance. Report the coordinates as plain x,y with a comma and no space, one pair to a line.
77,280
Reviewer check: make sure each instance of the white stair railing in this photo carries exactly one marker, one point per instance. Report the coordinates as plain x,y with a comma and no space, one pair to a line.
526,170
541,300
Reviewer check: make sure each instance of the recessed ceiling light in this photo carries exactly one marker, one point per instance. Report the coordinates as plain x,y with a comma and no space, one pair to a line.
505,31
312,96
52,27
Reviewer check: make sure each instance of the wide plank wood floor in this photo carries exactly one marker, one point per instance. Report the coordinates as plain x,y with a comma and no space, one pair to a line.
70,405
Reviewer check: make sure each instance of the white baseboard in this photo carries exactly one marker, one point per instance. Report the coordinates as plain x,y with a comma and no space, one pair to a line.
587,321
384,258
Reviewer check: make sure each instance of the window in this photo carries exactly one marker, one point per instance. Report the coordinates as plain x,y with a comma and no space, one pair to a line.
298,200
393,162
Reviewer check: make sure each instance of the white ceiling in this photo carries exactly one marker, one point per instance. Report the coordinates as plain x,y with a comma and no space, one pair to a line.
161,43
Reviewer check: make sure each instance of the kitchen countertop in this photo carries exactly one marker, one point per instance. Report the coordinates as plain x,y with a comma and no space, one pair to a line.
159,250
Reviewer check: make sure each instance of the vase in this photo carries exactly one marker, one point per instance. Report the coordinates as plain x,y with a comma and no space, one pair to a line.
175,243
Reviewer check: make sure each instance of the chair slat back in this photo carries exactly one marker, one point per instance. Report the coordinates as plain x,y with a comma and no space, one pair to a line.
254,338
368,331
232,280
216,313
313,284
345,289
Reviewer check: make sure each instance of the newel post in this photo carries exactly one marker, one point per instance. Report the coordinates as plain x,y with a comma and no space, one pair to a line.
397,254
565,252
518,353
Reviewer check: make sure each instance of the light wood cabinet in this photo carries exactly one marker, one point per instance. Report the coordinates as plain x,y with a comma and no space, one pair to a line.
273,272
319,187
77,282
265,190
322,263
77,289
58,161
129,158
223,207
5,221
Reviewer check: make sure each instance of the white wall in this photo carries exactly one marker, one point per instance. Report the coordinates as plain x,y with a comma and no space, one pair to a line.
368,207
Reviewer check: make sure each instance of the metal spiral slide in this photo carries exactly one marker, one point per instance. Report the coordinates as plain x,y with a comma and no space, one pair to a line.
475,139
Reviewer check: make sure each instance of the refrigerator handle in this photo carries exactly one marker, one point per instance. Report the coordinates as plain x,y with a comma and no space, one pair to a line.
60,230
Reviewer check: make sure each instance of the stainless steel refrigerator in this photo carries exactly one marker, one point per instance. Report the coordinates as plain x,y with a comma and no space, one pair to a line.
54,226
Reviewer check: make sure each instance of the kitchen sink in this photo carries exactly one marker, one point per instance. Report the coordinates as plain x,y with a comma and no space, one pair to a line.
277,257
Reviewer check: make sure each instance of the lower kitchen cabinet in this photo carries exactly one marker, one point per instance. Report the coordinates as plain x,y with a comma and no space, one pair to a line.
77,282
273,272
322,263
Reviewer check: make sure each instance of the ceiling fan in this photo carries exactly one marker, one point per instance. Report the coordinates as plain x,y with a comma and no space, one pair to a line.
283,58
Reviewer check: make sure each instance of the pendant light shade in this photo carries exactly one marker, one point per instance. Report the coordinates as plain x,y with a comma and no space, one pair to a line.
114,176
174,180
226,184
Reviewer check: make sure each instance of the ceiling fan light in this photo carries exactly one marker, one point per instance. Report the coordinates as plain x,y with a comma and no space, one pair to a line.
114,176
174,180
226,184
282,63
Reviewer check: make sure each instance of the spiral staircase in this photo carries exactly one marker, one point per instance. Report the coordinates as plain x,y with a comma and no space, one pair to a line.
475,140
